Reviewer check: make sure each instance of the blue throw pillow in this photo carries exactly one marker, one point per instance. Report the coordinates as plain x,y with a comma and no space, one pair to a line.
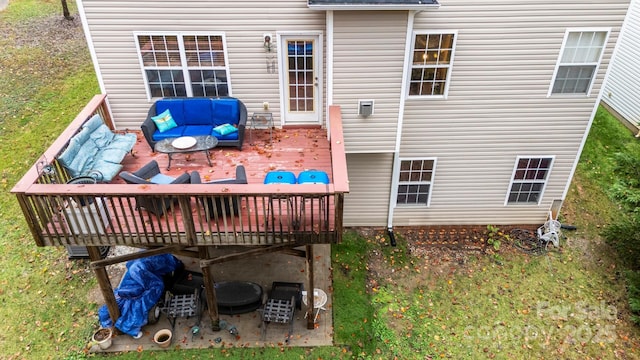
225,129
164,121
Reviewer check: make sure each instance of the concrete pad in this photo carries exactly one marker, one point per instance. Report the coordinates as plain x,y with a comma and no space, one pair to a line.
262,270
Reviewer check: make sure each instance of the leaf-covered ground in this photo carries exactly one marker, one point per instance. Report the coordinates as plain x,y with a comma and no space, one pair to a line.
438,302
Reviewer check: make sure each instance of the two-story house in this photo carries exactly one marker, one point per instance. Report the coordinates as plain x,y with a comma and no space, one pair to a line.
442,112
454,112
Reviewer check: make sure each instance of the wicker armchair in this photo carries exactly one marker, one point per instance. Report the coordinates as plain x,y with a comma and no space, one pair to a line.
148,175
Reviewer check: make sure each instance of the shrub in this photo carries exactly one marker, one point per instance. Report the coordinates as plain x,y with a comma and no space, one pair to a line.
624,236
633,289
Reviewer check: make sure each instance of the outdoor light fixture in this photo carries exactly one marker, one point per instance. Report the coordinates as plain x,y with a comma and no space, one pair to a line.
267,42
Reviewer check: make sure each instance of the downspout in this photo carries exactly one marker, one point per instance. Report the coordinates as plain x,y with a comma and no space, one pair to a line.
396,153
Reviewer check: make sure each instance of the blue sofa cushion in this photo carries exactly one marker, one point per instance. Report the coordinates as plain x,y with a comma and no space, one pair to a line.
195,130
67,156
175,106
102,136
112,155
124,142
226,111
232,136
108,169
198,111
173,133
92,124
84,159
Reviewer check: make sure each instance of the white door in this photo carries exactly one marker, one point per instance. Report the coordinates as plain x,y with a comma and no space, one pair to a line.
301,79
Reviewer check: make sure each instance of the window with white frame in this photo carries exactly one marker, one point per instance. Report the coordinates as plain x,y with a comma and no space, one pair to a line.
432,56
184,65
529,179
578,62
415,181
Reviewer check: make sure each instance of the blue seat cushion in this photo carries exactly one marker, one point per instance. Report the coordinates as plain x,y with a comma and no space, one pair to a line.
161,179
232,136
198,111
112,155
175,107
173,133
195,130
108,170
226,111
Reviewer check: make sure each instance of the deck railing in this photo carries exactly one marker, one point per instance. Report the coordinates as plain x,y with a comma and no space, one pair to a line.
199,214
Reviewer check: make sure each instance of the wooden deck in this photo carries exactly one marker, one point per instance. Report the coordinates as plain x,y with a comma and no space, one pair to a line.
270,218
292,149
269,214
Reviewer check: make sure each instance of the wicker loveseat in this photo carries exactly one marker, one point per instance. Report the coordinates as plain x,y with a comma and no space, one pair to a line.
197,116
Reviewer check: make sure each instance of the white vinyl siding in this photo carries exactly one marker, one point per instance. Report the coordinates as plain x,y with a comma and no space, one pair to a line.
578,61
112,25
622,89
367,203
369,51
497,108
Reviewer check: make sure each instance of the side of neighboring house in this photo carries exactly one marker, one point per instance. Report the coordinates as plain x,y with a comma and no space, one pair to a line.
621,92
479,109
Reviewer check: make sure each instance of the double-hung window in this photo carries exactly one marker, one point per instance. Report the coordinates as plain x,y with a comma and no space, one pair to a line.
432,57
184,65
530,175
578,61
415,181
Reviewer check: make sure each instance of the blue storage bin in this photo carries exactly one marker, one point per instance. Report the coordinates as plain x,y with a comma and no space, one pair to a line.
313,177
280,177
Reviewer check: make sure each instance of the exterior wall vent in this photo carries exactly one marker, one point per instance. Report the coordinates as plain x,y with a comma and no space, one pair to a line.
365,108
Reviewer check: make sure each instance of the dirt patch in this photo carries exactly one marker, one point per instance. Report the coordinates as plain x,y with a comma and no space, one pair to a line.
55,33
435,252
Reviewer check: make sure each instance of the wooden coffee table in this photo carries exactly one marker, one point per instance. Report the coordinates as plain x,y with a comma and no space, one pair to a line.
171,146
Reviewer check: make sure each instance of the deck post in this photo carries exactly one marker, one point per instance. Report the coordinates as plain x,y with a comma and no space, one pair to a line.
311,321
105,284
209,288
339,214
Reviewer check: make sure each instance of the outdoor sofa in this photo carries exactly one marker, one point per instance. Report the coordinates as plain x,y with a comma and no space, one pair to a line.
96,151
223,117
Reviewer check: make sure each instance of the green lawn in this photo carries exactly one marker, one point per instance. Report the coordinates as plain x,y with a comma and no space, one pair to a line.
388,302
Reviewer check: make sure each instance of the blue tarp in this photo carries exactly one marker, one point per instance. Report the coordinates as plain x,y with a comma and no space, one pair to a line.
140,289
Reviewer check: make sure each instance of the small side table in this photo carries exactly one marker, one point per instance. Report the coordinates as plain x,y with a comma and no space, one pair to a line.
262,120
319,301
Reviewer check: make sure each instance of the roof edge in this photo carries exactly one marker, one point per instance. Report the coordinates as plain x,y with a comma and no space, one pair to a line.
372,4
373,7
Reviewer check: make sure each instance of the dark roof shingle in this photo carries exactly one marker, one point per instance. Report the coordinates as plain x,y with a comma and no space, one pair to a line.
371,4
